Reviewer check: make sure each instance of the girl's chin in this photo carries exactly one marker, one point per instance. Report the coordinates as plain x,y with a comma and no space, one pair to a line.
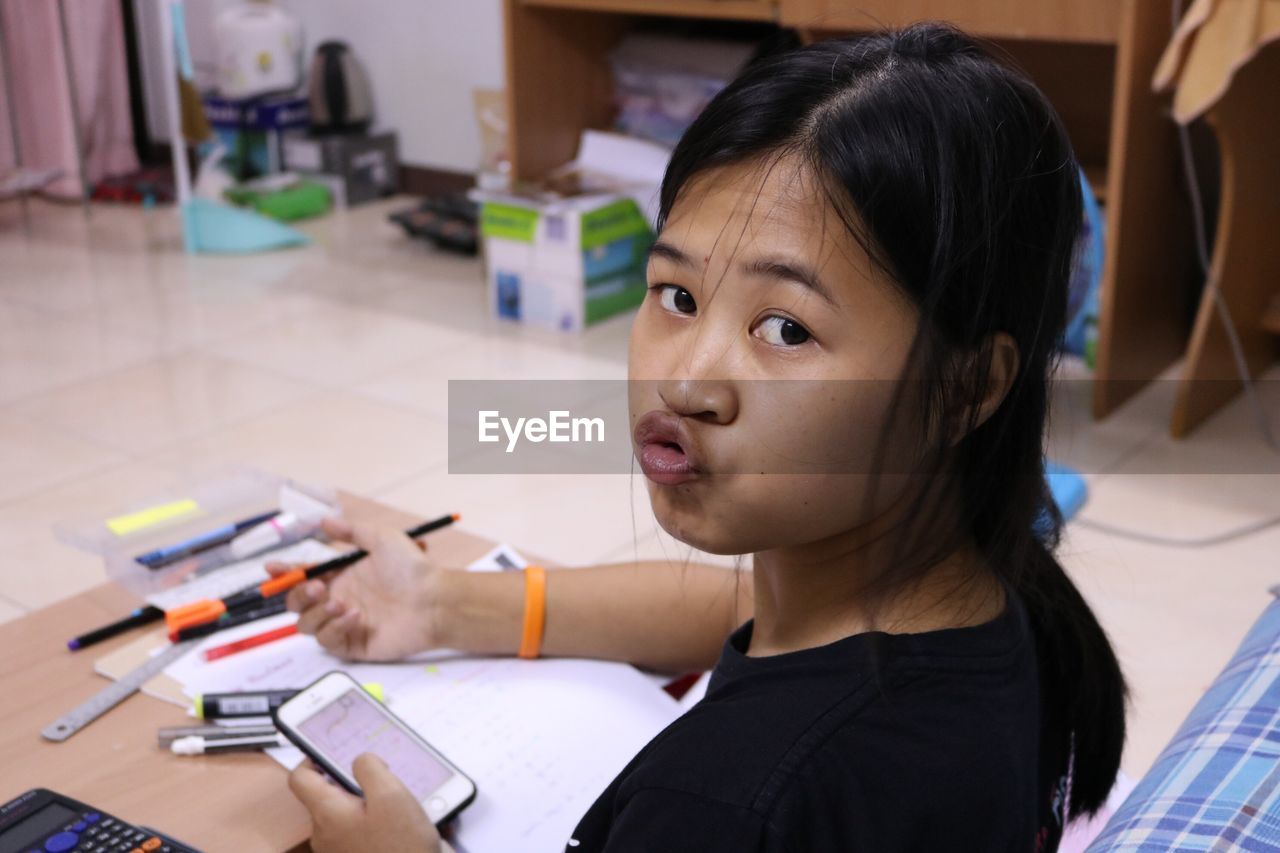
699,533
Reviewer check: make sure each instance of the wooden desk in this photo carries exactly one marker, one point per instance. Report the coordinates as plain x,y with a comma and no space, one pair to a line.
216,803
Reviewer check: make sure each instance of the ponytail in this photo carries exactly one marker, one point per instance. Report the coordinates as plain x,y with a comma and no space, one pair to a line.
1082,690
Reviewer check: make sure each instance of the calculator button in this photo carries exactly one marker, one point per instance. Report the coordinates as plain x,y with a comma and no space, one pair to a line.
108,822
92,817
61,841
79,826
150,844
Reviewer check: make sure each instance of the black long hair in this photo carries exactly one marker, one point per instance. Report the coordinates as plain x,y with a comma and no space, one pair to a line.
956,176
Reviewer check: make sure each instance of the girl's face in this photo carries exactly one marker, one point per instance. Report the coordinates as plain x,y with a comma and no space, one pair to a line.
764,363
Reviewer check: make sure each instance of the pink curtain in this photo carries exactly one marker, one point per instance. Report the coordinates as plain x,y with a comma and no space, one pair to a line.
41,107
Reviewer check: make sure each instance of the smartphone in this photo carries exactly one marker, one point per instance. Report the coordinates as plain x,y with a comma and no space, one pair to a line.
334,720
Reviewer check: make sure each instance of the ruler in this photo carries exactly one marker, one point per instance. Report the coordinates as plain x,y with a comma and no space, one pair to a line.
114,693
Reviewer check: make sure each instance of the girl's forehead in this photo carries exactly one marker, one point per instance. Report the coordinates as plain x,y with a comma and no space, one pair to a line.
762,209
759,192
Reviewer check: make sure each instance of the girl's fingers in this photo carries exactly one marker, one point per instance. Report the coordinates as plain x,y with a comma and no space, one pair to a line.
319,797
338,634
307,594
313,619
275,567
338,529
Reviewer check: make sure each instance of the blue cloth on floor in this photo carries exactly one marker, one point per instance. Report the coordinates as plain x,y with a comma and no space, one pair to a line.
1068,488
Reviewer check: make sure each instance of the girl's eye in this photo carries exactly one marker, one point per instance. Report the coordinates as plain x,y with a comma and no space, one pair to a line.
782,331
677,299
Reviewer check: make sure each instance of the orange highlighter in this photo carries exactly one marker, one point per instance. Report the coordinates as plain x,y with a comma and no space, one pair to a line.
208,610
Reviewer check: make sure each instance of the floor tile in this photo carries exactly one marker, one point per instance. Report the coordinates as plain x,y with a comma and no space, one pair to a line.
33,456
424,382
338,345
1175,617
40,351
37,574
331,438
166,400
10,610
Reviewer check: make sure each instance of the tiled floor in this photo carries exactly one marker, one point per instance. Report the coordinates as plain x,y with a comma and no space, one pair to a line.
126,366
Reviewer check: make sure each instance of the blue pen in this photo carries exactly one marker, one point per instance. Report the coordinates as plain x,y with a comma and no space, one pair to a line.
162,557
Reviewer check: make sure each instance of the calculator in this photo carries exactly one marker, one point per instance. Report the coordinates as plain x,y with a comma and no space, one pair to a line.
41,821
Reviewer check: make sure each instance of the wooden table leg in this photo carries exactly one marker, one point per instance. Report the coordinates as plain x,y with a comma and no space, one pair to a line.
1149,273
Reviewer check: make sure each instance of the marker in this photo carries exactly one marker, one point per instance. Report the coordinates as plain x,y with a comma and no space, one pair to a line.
169,734
270,607
140,616
197,745
260,703
162,557
207,610
250,642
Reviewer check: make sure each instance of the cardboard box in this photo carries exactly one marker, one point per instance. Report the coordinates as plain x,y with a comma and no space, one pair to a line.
564,263
368,164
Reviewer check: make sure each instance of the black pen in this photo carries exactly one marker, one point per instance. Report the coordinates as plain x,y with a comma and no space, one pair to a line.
141,616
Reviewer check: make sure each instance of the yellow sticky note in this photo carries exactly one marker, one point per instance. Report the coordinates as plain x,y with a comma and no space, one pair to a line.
374,689
123,525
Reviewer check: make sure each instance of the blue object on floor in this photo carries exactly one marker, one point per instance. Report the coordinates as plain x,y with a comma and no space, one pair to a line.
208,226
1069,492
1068,488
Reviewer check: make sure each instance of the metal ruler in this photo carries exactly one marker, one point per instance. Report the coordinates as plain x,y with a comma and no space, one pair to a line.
114,693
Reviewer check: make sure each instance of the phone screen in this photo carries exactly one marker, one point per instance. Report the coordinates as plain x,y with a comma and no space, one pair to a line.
352,724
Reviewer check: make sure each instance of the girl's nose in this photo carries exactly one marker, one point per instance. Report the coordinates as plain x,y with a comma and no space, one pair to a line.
711,400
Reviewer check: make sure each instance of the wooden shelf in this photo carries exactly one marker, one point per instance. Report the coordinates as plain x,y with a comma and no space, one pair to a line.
730,10
1087,21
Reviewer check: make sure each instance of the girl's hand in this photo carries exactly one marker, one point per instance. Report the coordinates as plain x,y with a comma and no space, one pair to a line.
389,817
379,609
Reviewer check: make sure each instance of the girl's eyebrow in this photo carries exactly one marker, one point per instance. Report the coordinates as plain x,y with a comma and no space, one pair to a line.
668,252
787,270
775,268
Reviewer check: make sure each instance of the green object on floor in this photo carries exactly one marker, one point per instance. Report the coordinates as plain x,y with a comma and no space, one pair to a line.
300,201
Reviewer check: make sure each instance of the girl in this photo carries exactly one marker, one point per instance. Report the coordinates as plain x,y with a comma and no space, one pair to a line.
841,368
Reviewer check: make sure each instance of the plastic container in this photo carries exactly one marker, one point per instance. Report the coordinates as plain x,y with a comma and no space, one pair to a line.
182,511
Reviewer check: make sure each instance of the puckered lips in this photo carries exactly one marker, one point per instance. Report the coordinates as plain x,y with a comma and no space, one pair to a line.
665,449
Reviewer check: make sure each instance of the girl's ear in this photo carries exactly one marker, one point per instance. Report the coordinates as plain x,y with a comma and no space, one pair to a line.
1002,368
999,355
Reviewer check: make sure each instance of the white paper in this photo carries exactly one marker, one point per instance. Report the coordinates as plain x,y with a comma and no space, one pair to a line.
502,558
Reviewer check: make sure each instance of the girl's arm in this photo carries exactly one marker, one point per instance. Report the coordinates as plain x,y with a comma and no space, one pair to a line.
655,614
669,616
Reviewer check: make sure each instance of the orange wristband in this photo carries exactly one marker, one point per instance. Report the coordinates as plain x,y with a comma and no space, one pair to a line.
535,611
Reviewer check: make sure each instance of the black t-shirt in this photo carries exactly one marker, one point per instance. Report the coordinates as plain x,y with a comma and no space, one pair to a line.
876,742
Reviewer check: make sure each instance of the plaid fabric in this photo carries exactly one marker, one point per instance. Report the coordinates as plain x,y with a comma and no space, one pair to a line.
1216,786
